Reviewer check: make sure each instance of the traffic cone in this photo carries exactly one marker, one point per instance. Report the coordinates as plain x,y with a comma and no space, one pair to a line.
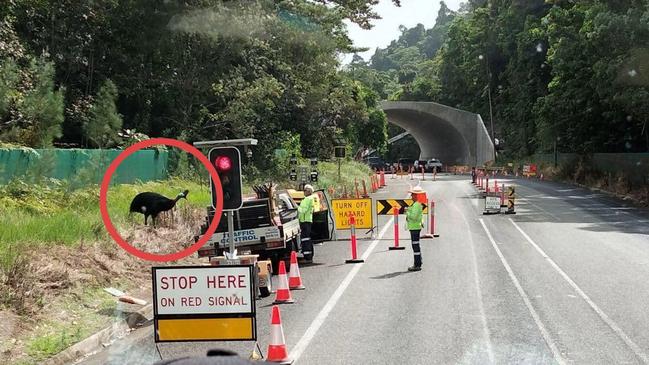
294,278
283,294
277,351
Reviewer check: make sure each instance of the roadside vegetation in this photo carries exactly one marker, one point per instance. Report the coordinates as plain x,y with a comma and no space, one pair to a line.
56,256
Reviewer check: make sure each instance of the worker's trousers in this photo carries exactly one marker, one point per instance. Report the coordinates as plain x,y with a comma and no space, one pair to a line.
414,237
305,237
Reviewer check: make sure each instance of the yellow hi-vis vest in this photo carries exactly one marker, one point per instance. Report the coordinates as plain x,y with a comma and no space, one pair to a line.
415,216
305,209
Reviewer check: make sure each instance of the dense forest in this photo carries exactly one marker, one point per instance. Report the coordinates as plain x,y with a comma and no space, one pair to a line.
100,74
575,73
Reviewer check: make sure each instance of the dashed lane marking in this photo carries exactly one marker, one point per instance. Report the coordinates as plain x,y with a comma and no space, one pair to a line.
614,327
535,316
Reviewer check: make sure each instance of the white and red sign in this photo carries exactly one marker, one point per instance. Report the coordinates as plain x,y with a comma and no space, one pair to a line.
203,290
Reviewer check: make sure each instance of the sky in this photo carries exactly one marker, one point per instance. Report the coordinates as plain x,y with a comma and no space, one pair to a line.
385,30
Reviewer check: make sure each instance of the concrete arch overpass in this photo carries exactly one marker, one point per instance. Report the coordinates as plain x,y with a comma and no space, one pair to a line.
455,137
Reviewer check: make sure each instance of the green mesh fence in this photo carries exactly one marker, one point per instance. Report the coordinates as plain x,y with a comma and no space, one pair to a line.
635,166
81,166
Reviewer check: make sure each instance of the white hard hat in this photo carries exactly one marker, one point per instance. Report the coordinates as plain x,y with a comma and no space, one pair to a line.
308,187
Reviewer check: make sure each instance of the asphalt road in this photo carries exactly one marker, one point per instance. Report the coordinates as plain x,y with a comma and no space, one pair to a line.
563,281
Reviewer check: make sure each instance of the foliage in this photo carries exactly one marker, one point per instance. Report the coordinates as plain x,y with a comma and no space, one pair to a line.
103,124
568,72
208,69
31,109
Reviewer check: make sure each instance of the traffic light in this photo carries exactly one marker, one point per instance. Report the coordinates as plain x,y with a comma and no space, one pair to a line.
314,170
293,163
227,161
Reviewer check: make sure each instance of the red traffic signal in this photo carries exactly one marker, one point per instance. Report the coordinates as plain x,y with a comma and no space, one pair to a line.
227,161
223,163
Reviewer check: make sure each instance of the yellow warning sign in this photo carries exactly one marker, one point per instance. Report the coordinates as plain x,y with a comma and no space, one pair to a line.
205,329
361,209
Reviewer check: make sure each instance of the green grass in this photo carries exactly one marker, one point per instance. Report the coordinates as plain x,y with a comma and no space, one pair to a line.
52,213
44,346
86,312
36,215
349,171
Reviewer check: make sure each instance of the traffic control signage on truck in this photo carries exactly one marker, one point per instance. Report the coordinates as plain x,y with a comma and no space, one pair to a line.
361,209
204,303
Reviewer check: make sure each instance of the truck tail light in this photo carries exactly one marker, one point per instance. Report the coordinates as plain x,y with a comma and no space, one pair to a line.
275,244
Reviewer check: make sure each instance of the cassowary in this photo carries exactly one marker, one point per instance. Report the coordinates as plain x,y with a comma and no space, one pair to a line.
151,204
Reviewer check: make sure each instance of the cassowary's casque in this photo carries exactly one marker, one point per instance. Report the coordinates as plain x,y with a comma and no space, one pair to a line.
151,204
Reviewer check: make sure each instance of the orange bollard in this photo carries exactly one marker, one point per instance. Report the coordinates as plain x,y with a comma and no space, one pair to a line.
382,178
356,187
354,259
395,212
432,219
364,190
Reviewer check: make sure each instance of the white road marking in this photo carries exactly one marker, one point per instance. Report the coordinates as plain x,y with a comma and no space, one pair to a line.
317,322
476,278
544,332
618,331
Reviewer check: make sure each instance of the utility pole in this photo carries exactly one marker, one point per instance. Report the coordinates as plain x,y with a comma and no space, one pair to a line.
491,112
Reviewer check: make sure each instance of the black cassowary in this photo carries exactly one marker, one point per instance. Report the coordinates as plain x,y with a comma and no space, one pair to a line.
151,204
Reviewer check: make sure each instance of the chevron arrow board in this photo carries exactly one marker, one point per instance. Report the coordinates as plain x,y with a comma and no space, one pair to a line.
385,206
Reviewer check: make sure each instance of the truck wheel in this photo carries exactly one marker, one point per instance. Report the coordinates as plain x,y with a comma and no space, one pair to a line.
264,292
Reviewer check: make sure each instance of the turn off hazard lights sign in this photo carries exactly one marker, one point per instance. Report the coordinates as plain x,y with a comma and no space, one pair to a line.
203,303
361,209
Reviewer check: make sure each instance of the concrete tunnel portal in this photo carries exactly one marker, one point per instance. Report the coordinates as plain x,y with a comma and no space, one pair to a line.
454,136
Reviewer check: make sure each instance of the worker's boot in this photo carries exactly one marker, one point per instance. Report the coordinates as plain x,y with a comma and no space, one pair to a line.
414,268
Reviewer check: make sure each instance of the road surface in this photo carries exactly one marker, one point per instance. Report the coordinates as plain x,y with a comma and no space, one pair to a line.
564,281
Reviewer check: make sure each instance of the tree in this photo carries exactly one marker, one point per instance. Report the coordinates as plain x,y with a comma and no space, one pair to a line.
104,122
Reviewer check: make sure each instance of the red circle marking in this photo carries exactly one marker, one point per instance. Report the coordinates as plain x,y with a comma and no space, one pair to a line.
103,191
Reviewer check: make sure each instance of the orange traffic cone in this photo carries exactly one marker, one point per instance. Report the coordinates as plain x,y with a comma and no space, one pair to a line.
294,278
283,294
277,351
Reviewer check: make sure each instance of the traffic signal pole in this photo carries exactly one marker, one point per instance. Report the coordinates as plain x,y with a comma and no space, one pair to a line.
233,253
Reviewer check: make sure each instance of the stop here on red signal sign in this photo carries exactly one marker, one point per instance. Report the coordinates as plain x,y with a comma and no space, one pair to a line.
203,290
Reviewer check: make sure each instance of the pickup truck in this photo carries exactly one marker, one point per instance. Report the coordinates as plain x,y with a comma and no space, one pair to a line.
261,227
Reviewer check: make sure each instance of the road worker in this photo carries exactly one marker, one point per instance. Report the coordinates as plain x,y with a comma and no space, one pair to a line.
305,215
415,222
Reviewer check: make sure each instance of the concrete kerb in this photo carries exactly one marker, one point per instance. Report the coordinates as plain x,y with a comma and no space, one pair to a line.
97,342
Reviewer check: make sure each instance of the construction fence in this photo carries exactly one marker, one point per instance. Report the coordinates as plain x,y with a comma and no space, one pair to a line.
84,166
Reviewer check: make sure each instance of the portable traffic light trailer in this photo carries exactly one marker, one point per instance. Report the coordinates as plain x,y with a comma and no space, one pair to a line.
225,155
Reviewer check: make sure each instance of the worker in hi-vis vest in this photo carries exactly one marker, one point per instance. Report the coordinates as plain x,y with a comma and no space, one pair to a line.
415,222
305,216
